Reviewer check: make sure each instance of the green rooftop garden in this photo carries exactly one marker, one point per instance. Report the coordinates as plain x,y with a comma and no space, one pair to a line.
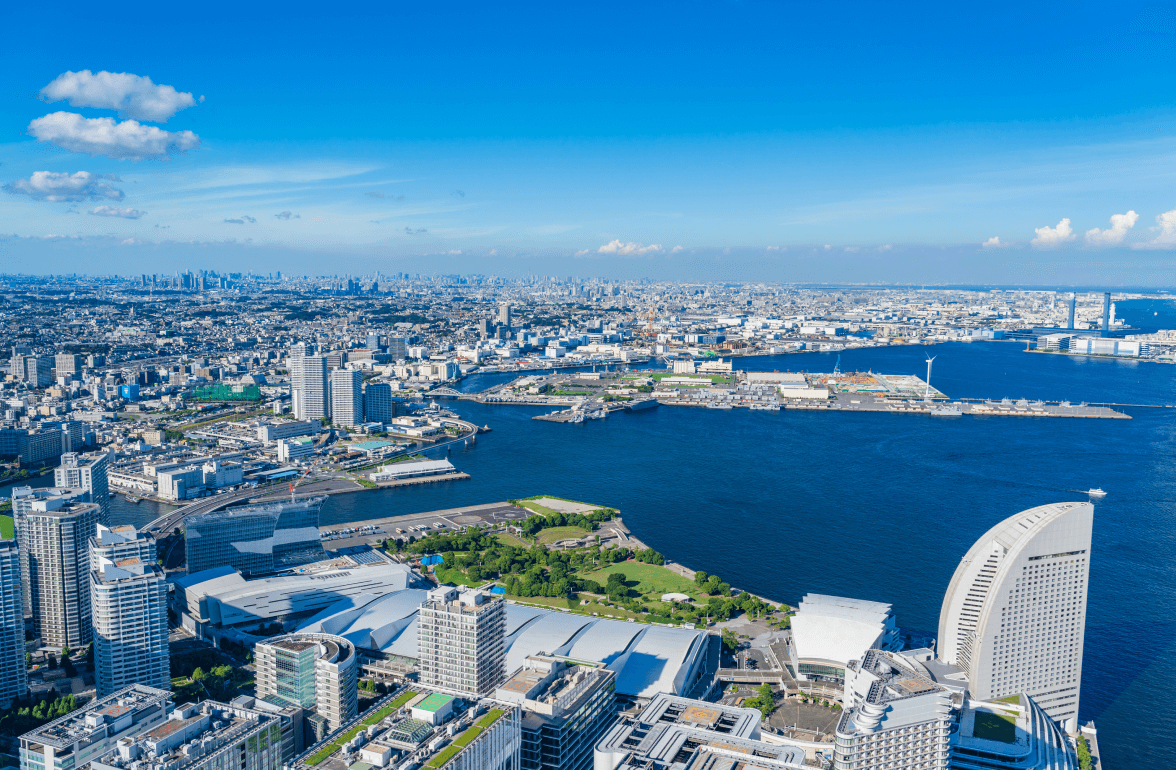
465,739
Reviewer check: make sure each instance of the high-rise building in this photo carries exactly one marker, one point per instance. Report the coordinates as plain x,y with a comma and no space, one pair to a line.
895,716
67,363
308,386
1014,616
128,595
13,672
38,371
256,538
462,640
378,405
567,705
86,472
79,737
504,314
311,671
397,347
53,535
347,397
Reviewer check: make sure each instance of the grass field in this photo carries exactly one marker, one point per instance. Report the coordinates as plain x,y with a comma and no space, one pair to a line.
453,575
651,580
542,601
995,727
555,534
7,530
506,538
534,507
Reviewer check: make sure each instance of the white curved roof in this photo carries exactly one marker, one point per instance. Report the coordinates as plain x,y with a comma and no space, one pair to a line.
546,633
603,642
659,661
519,615
838,629
373,625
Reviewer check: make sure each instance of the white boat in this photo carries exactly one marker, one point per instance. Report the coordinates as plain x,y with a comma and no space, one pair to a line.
1096,492
716,405
946,410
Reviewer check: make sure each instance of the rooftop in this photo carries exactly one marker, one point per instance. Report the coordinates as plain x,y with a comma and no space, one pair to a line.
434,702
99,716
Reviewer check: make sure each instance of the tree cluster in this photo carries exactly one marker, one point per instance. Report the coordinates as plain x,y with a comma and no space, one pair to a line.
532,525
763,700
28,714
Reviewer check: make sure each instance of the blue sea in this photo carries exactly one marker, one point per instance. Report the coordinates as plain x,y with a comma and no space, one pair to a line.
876,506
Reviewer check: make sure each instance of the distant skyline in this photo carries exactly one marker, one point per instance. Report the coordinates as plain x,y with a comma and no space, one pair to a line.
857,142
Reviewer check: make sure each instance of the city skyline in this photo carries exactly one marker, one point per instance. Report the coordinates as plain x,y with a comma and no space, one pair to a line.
708,143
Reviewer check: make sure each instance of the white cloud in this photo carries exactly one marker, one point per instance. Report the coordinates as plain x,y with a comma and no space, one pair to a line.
109,211
493,252
455,251
1052,237
1167,229
287,215
1120,224
887,247
128,140
851,249
828,247
134,96
993,243
55,186
676,249
582,253
628,249
771,248
130,242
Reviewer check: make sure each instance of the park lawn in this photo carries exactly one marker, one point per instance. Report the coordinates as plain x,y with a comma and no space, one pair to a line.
543,601
555,534
447,574
534,507
652,580
507,538
7,530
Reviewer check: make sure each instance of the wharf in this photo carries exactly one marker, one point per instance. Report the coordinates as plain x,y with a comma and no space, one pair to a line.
850,402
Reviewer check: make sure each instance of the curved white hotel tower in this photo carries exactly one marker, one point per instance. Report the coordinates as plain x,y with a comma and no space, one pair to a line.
1014,615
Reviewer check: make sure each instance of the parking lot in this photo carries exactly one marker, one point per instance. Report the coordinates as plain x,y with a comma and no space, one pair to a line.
418,524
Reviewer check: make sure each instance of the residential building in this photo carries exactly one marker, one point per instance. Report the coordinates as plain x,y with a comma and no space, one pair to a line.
311,671
567,705
504,315
1014,615
397,347
53,534
347,397
88,472
68,363
830,631
129,601
308,386
895,715
74,741
462,637
204,736
257,538
38,370
378,405
13,671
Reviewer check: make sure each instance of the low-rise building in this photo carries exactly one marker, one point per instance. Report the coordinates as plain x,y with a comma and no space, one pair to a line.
293,449
74,741
412,469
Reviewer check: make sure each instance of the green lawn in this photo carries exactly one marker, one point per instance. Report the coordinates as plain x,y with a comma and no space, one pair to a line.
995,727
508,538
543,601
555,534
447,574
7,530
534,507
465,739
651,580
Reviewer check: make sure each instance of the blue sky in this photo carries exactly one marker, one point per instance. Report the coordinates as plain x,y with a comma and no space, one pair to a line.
791,141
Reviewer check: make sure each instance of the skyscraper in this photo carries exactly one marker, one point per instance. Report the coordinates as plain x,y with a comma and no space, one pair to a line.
462,640
504,314
129,600
67,363
87,472
378,405
308,386
53,535
347,397
1014,615
13,674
